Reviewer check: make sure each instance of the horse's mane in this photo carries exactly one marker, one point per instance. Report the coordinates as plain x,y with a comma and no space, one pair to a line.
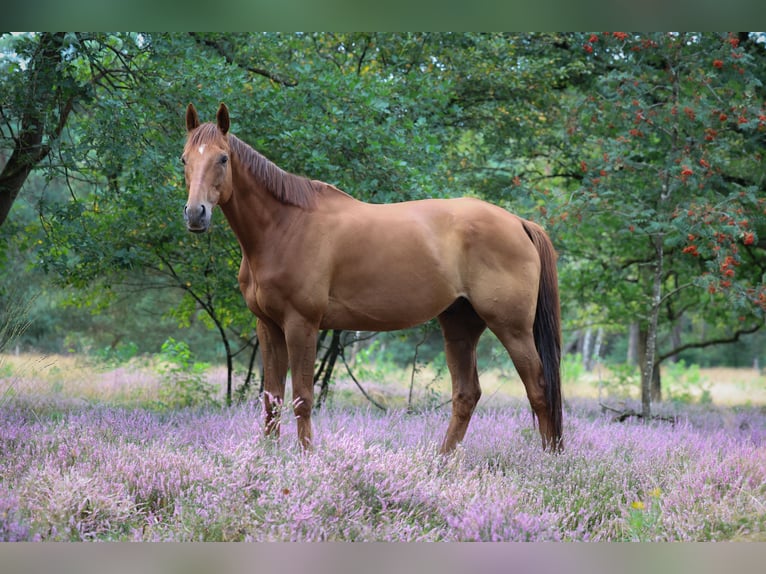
287,187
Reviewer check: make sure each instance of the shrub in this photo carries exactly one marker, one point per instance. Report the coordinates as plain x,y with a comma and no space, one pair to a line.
623,382
183,381
685,383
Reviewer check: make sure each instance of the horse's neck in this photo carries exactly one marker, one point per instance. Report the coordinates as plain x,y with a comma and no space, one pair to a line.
253,213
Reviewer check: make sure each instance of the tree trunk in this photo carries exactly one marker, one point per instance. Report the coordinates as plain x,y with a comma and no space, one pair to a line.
675,337
229,355
29,148
649,363
243,389
587,348
327,366
592,348
633,337
655,392
656,386
597,348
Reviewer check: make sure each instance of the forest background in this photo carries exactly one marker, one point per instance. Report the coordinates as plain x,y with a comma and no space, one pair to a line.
641,155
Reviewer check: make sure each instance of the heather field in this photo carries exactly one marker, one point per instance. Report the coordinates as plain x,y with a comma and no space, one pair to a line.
85,456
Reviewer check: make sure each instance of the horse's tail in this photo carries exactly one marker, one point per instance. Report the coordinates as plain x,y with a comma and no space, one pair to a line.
547,326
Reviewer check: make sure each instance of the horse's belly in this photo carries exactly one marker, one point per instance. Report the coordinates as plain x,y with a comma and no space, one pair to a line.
386,310
352,320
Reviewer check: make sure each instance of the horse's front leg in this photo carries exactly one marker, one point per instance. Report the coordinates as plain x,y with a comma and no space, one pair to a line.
274,354
301,347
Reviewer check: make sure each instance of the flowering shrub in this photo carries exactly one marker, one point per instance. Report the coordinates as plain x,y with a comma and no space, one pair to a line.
109,473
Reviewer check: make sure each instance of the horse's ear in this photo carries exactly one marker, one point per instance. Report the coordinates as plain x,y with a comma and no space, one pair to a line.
192,119
222,117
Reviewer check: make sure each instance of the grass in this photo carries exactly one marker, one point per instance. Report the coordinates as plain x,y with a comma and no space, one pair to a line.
83,458
77,379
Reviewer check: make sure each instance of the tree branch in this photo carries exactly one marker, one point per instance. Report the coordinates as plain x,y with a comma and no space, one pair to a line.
353,378
675,291
722,341
222,51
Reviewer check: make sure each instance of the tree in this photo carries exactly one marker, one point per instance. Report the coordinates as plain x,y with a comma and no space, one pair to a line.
642,155
46,79
34,110
670,209
125,226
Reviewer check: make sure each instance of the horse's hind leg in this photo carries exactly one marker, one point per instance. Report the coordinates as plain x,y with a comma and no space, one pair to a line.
521,347
462,328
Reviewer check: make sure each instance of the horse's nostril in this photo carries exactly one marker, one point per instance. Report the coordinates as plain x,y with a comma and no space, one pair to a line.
186,208
203,210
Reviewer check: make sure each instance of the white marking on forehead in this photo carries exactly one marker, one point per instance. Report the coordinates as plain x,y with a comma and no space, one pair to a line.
201,149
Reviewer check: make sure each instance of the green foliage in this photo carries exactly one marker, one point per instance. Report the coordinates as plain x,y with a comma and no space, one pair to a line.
400,345
183,380
682,383
118,354
685,383
658,135
13,321
373,363
432,397
645,518
611,140
572,368
624,380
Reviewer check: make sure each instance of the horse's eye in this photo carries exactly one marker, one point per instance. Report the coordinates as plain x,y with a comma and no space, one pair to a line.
224,159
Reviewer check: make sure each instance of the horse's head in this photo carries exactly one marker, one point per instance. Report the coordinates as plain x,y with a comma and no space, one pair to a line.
207,167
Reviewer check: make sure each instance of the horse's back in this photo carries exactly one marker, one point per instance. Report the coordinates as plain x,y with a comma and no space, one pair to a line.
484,238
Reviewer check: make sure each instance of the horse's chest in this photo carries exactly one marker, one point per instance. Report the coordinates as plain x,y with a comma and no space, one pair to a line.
248,285
264,298
276,291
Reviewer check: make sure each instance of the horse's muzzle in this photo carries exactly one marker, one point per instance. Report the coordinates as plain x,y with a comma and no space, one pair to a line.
197,218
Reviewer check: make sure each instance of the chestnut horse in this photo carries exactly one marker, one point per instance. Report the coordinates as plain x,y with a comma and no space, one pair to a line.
315,258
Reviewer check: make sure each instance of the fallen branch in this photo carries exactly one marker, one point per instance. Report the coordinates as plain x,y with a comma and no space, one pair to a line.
624,414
